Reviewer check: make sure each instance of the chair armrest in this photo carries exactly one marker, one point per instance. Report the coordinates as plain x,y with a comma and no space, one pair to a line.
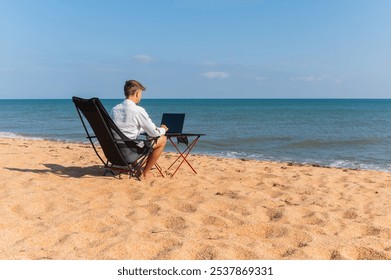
137,140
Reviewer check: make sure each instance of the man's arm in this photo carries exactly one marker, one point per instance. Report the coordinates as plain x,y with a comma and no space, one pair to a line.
149,127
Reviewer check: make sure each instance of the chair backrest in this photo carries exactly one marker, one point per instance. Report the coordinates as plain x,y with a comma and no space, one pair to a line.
103,127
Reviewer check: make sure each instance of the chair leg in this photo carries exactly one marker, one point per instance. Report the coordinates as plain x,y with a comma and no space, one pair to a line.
107,170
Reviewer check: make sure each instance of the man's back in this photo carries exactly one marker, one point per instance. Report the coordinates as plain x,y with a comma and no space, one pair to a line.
133,120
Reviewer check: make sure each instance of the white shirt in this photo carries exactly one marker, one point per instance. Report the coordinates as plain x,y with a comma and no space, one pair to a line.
132,120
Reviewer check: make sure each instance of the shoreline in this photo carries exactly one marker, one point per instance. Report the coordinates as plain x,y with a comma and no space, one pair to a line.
57,204
14,136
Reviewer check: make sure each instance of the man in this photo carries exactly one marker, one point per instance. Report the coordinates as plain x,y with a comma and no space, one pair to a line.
133,120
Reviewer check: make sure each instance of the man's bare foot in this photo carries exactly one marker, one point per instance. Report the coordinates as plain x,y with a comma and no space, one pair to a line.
145,176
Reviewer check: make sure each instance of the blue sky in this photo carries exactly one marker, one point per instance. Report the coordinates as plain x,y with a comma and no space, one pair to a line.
196,49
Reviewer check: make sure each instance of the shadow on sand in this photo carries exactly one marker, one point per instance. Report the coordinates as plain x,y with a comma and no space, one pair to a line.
65,171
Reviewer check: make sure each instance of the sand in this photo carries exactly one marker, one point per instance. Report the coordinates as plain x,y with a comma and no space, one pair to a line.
55,203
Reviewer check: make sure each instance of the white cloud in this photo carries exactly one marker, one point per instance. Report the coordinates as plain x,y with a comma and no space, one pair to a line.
216,75
310,78
143,58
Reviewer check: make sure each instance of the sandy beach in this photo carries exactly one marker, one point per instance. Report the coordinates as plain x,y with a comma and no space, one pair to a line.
55,203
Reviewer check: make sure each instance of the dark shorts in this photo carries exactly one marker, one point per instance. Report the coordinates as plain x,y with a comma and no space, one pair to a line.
132,154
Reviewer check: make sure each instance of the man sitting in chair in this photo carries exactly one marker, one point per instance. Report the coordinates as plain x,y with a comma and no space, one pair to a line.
133,120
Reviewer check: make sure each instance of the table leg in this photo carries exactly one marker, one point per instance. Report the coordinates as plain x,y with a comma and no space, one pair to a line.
184,155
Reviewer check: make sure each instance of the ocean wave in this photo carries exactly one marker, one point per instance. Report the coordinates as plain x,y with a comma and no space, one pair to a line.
68,139
360,165
348,164
331,143
4,134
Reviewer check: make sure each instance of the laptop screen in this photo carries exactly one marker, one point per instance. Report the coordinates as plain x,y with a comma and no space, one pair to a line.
174,122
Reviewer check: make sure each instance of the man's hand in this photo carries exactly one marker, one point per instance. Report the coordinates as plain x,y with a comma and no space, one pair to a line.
164,126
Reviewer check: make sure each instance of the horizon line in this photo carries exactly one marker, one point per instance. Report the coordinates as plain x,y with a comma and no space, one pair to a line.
221,98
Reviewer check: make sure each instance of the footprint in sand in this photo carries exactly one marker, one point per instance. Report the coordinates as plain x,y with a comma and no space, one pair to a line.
271,231
300,238
245,254
133,196
214,221
364,253
176,223
336,255
169,246
274,214
371,231
350,214
289,252
153,209
206,253
241,210
314,218
186,207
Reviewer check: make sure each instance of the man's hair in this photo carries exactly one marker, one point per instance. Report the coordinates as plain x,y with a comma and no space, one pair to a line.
131,87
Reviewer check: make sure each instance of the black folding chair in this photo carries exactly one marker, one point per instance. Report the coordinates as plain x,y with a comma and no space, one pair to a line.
110,137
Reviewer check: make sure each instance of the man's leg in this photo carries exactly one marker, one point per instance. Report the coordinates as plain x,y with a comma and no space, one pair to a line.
154,156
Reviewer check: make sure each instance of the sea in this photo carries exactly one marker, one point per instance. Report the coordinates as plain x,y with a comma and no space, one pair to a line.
346,133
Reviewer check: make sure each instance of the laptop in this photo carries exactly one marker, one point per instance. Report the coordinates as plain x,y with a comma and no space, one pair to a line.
174,122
